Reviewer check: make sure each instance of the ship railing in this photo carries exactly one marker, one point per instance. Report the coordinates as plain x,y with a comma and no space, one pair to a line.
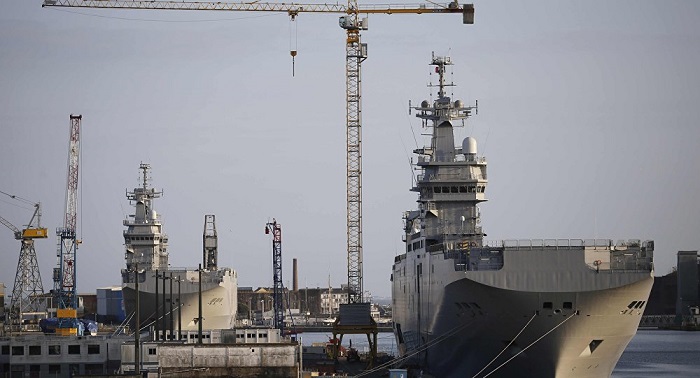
209,277
556,243
456,229
450,177
456,158
131,222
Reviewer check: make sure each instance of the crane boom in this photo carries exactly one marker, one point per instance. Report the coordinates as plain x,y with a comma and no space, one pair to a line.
64,276
15,230
266,6
275,229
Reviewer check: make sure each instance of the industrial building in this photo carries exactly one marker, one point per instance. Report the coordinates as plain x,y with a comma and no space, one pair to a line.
39,355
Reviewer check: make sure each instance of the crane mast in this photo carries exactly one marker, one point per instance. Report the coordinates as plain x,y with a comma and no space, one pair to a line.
64,276
275,229
210,242
356,53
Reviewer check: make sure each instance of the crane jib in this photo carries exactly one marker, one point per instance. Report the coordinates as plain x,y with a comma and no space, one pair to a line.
294,8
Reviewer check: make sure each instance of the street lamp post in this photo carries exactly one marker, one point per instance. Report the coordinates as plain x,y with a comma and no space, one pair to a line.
137,334
179,309
199,322
155,323
164,308
172,322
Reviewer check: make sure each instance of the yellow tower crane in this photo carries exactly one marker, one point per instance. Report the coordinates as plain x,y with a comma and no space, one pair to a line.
28,289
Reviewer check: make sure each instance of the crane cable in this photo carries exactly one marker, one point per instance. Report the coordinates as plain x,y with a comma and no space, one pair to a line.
507,346
18,198
531,344
293,38
422,348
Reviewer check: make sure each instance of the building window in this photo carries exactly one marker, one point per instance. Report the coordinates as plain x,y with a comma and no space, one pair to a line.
18,350
54,350
54,369
35,350
568,305
547,305
73,349
5,349
93,349
151,351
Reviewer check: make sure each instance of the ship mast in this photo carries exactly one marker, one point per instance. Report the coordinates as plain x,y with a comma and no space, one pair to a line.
145,242
453,179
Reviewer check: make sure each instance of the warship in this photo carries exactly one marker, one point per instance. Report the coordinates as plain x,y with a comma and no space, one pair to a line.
464,306
165,291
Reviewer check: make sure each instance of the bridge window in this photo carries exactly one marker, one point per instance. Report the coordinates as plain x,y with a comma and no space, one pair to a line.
568,306
547,305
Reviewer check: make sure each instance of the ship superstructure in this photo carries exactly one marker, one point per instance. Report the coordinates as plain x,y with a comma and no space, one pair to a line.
169,295
465,307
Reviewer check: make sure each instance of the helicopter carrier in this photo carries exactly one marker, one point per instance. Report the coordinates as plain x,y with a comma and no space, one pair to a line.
165,291
467,307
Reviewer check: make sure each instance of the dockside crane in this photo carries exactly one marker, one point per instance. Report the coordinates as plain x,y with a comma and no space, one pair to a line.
210,257
28,289
275,229
64,275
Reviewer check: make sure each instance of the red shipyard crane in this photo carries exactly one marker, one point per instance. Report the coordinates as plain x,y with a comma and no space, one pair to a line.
64,275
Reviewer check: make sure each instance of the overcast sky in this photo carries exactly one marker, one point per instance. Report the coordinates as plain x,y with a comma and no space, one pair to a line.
588,116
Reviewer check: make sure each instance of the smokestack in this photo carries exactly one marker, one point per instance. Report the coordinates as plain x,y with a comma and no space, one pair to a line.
295,279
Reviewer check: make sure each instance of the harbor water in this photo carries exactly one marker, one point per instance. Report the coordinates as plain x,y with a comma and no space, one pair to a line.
650,354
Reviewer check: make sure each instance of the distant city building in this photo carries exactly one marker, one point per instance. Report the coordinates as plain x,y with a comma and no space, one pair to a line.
312,302
110,305
332,299
687,269
2,302
675,292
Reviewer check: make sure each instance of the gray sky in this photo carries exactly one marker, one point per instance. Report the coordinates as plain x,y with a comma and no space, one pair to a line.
588,115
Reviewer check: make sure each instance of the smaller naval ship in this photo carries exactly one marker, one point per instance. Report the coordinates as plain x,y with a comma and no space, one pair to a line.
170,296
467,307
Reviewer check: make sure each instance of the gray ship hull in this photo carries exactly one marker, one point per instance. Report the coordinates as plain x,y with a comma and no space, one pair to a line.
512,321
219,300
